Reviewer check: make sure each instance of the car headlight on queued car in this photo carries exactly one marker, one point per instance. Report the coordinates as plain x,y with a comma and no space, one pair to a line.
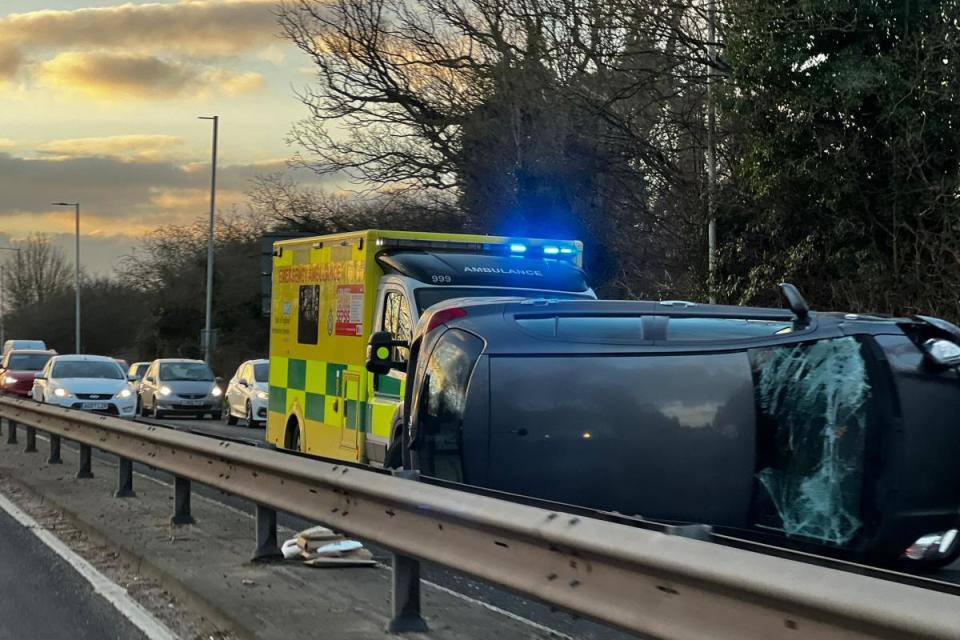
10,380
216,392
165,391
124,393
263,395
60,392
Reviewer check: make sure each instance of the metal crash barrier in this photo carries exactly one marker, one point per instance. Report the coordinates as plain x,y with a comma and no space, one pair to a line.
650,583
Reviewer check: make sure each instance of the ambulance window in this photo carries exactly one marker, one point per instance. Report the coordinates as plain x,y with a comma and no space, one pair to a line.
396,320
308,317
440,409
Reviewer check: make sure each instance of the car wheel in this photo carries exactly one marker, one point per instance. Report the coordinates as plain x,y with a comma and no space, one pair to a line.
228,416
251,421
394,458
156,413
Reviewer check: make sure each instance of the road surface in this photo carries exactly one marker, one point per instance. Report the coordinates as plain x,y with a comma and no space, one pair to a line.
43,596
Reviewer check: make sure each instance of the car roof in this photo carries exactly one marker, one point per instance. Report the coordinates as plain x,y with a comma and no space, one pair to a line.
177,360
31,352
496,321
83,357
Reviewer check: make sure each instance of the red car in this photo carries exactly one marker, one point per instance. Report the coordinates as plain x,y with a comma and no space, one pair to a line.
18,368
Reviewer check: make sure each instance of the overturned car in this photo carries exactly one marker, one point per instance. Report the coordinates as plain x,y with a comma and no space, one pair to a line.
833,430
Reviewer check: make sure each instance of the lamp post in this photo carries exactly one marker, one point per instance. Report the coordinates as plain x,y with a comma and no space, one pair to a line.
76,274
3,294
208,322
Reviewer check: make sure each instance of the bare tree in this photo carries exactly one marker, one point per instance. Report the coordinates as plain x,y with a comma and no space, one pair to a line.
36,273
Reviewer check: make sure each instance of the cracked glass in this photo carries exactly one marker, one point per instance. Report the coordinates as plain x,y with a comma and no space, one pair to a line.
812,406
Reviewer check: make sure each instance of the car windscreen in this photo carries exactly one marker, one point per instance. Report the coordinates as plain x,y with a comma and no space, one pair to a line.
139,369
261,372
27,361
429,296
87,369
184,371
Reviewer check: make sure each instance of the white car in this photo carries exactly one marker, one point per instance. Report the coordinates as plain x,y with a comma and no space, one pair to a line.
247,394
90,383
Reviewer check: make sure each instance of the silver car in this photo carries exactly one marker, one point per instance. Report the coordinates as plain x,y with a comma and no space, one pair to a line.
177,386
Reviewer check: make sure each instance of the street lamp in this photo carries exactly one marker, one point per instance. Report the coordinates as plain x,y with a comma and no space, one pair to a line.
208,323
76,275
3,294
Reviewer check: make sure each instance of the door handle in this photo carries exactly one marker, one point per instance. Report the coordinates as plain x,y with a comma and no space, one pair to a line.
520,432
336,404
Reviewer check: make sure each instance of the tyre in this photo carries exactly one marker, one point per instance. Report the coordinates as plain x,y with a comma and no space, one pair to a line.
394,457
293,437
155,412
141,408
251,421
228,416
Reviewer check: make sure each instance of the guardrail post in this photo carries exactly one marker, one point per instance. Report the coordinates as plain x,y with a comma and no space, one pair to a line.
31,440
84,471
124,478
11,431
54,450
181,502
405,590
266,535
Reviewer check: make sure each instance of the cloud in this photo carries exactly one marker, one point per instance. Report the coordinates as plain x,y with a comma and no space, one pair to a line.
10,61
138,148
199,27
107,76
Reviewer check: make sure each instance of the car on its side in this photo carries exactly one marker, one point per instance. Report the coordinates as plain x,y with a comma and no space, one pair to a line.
829,431
10,345
247,394
180,386
18,368
86,382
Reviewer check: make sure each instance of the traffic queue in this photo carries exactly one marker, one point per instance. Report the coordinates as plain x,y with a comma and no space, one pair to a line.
488,361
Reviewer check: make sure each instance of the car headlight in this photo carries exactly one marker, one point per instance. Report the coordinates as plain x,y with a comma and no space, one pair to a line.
124,393
216,392
9,380
165,391
60,392
263,395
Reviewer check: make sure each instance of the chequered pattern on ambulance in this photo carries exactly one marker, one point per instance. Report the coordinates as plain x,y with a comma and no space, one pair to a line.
314,384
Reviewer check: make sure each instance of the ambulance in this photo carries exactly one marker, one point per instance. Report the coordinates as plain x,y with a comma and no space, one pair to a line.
331,293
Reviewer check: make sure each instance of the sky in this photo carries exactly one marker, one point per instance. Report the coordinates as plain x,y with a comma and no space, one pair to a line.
100,104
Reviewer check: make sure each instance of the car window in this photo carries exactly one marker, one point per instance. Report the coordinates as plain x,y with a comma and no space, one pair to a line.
396,321
87,369
429,296
719,329
440,408
586,328
261,372
185,371
27,361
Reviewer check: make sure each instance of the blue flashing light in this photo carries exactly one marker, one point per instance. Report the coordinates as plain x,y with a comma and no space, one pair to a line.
566,251
551,251
518,248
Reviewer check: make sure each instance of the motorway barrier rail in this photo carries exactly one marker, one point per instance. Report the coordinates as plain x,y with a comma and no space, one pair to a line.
650,583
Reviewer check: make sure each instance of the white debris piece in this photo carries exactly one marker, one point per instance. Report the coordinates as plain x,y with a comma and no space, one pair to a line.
290,549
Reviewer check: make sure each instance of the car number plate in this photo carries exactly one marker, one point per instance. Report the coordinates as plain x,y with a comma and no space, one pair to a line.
193,403
96,406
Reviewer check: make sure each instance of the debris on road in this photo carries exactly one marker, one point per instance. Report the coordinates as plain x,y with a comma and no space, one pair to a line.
323,547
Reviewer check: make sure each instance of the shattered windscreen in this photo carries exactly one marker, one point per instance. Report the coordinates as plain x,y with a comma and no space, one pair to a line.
812,403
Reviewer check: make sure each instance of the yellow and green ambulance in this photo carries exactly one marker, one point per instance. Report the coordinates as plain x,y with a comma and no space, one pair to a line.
330,293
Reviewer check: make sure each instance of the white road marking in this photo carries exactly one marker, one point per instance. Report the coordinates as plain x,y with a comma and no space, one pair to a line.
104,586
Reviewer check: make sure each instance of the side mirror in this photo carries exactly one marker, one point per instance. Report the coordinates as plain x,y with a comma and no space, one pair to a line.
944,353
41,377
150,379
244,383
380,353
132,378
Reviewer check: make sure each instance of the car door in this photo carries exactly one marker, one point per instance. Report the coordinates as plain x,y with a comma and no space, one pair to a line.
148,386
40,386
241,390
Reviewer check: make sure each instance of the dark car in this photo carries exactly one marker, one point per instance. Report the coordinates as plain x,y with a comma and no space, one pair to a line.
19,367
837,430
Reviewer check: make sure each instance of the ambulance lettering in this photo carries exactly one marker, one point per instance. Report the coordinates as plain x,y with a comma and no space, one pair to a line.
504,272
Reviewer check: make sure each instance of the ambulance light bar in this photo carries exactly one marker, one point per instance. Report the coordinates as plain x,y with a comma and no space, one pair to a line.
554,251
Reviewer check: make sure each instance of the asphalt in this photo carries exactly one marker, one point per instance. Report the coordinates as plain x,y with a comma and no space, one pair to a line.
44,597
